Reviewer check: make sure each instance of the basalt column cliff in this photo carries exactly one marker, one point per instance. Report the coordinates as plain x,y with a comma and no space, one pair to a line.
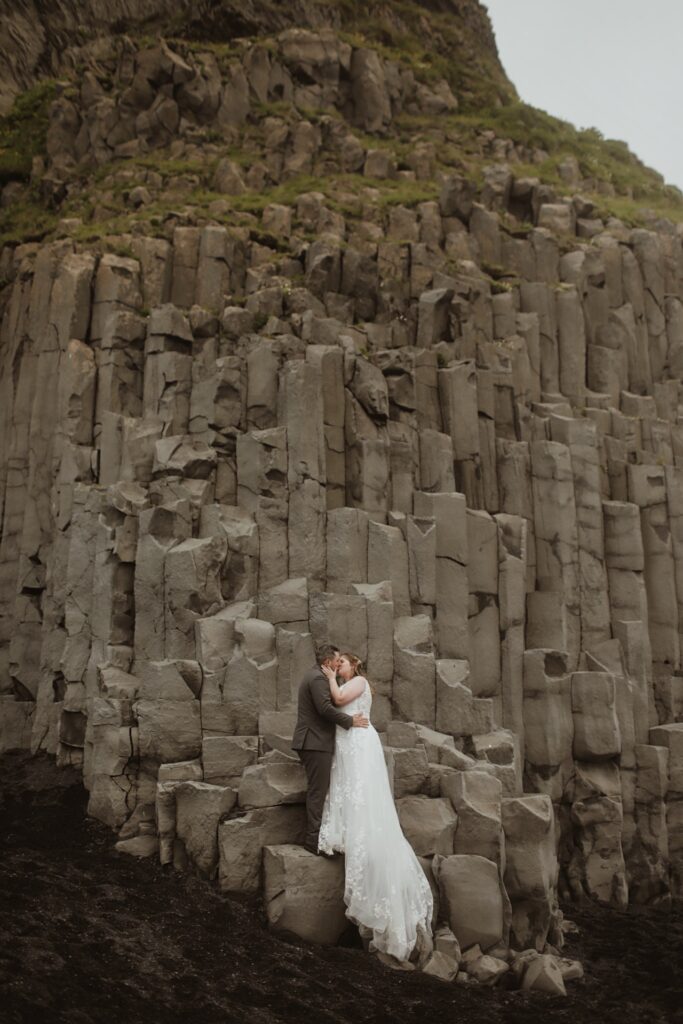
292,349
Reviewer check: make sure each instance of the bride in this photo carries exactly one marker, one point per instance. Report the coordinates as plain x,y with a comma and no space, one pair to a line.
386,889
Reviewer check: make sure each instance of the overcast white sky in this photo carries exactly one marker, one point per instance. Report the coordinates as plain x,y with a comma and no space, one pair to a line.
616,65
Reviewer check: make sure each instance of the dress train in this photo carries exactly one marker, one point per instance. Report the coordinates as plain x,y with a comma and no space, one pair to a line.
386,889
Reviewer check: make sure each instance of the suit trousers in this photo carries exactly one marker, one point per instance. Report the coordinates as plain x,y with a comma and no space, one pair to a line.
317,765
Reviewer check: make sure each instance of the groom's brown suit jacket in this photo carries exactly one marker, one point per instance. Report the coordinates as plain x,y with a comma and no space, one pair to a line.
317,715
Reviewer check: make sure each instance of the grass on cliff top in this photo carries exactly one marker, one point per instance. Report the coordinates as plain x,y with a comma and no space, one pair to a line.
604,159
640,212
392,192
23,132
26,220
29,220
456,43
640,191
460,48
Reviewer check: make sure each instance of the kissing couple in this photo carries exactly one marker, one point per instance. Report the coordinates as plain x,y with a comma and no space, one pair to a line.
350,808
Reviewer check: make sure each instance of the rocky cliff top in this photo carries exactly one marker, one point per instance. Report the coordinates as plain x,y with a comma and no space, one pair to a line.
39,38
129,93
303,337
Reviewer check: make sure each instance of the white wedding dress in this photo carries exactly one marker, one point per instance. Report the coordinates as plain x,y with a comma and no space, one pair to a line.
386,889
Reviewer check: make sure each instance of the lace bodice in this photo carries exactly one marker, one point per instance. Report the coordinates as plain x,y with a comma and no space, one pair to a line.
361,704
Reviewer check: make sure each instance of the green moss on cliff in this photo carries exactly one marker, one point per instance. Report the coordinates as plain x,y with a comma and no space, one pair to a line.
435,39
606,160
23,132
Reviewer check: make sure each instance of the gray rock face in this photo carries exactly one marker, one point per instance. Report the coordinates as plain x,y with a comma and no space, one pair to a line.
275,428
268,785
428,824
241,842
472,898
199,808
530,866
304,894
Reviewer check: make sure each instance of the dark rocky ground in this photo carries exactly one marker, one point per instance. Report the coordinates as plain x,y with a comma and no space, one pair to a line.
89,935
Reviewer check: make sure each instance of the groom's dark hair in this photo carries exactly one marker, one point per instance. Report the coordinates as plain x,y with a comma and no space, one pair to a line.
325,652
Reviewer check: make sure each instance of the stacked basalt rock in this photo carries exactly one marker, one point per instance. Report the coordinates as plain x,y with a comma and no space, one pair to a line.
212,461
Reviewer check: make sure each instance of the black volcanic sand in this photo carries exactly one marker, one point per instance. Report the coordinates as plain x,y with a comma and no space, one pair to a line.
91,935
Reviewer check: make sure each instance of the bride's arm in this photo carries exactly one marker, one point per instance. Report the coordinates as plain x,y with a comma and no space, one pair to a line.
351,690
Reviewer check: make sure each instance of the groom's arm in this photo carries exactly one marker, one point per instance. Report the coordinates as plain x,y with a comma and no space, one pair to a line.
320,691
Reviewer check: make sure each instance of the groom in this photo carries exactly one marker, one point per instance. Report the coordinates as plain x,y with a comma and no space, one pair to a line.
314,737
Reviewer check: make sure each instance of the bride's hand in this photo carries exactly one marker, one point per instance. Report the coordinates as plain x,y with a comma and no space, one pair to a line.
329,673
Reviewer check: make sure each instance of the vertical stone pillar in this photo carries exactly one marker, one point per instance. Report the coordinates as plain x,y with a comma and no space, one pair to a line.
403,464
557,545
640,368
421,541
486,401
625,562
388,560
168,369
512,547
528,328
671,738
608,657
674,499
185,260
449,511
213,268
516,496
580,436
596,866
648,860
120,369
537,297
300,410
262,491
160,529
484,613
571,334
414,689
648,251
647,490
548,722
379,609
116,290
460,407
347,548
79,614
330,361
436,461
